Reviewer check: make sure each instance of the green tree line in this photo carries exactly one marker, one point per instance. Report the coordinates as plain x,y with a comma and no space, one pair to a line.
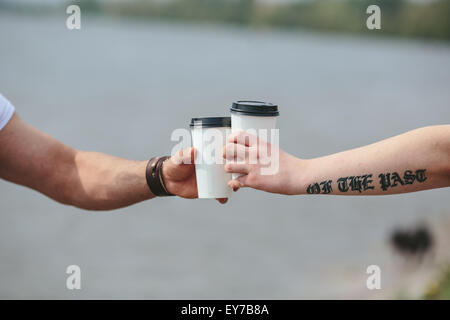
430,19
425,19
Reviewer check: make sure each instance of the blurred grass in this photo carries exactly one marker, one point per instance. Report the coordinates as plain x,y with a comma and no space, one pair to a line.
440,290
425,19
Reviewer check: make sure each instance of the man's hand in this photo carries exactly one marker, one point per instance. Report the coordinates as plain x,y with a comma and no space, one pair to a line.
179,175
87,180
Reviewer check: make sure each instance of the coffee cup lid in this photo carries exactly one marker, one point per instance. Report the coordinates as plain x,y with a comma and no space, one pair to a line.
255,108
211,122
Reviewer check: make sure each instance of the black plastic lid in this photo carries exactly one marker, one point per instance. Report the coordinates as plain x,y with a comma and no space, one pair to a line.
211,122
255,108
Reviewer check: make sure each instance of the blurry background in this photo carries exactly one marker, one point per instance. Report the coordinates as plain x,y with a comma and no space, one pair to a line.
139,69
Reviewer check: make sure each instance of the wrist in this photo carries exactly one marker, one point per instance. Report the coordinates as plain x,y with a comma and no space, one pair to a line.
298,177
166,176
155,177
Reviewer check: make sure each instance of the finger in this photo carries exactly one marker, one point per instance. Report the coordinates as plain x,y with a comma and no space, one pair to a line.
243,181
244,138
177,158
234,184
185,156
239,182
236,167
232,151
222,200
189,155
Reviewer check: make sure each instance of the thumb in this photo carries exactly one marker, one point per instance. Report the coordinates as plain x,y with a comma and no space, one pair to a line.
239,182
185,156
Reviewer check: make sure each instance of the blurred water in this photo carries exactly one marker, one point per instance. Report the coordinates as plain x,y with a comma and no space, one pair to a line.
121,87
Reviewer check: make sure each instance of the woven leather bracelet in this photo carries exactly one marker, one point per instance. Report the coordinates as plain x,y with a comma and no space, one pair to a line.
154,177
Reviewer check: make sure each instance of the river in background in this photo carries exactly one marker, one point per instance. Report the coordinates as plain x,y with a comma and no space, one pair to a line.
122,86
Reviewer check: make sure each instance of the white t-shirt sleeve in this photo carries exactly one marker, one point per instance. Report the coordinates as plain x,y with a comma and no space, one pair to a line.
6,111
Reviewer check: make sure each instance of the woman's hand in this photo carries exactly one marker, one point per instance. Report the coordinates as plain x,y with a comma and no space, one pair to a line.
179,175
263,166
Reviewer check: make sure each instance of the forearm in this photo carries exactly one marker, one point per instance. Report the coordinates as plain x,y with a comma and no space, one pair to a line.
87,180
416,160
103,182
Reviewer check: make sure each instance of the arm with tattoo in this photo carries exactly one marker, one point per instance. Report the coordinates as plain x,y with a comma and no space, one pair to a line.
413,161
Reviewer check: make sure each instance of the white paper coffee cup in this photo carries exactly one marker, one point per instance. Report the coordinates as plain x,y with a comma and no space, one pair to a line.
208,138
252,117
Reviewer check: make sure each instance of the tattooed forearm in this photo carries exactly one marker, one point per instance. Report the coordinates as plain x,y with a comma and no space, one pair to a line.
366,182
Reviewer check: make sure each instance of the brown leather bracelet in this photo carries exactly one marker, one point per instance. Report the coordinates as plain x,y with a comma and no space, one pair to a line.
155,180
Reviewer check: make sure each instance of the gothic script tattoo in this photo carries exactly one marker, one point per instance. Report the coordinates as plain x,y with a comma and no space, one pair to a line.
365,182
389,180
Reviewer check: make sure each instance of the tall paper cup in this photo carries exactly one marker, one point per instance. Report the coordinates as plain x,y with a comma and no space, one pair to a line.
208,138
252,116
